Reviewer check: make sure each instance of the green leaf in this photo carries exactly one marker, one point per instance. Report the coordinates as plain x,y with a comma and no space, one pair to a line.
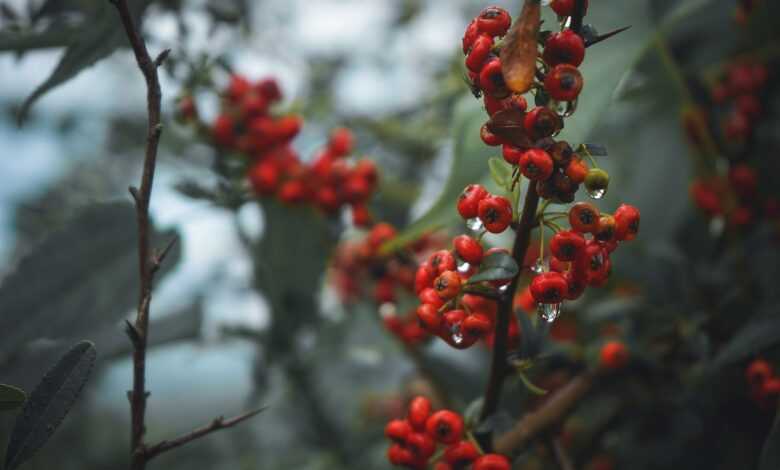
11,397
81,277
496,266
49,403
100,35
758,335
501,172
467,166
770,453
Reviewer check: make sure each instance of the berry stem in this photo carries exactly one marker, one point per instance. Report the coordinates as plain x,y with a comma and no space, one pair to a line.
498,365
579,14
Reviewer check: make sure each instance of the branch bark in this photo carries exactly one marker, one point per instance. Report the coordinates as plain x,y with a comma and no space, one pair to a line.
537,422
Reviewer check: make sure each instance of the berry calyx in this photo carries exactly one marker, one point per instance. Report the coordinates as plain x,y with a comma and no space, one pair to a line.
536,164
584,217
445,426
494,21
447,285
495,212
563,82
567,245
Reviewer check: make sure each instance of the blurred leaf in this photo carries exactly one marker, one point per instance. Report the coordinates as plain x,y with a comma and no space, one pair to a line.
100,35
11,397
501,172
756,336
22,41
770,454
82,277
49,403
496,266
467,166
530,385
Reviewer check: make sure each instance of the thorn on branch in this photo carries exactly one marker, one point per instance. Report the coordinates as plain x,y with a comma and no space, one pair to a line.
133,334
159,257
161,57
136,195
601,37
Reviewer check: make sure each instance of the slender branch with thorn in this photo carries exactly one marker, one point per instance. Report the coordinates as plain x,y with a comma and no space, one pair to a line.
149,261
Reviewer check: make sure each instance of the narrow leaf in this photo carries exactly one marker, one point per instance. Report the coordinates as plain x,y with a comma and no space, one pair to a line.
529,385
501,172
11,397
595,150
49,403
753,338
496,266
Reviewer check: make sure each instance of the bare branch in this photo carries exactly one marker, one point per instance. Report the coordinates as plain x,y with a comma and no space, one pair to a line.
215,425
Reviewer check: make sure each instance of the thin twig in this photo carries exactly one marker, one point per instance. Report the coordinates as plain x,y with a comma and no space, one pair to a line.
535,423
577,17
498,366
216,425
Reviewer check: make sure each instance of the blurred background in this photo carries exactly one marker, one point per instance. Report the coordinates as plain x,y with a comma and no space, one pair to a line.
392,72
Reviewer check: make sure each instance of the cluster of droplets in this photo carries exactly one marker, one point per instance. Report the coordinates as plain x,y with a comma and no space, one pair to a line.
251,134
731,194
416,437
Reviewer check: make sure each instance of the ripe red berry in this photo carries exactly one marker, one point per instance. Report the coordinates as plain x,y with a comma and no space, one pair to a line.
576,171
361,216
453,319
479,52
605,228
576,283
468,249
341,142
563,83
492,462
398,430
447,285
541,122
549,288
489,138
743,179
292,192
771,388
749,106
476,326
495,212
424,277
565,47
186,108
511,153
536,164
445,426
419,410
706,197
253,105
471,35
264,177
567,245
461,454
758,372
430,296
584,217
614,355
626,222
327,199
269,88
442,261
399,455
380,234
494,21
491,80
565,7
421,445
429,317
238,87
469,199
223,130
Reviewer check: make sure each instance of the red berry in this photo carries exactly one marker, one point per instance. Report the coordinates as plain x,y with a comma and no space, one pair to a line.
476,325
495,212
430,296
614,355
494,21
749,106
453,319
424,277
492,462
626,222
447,285
398,430
253,105
419,410
429,317
479,52
576,171
223,130
292,191
741,216
563,82
758,372
605,229
491,79
361,216
743,179
567,245
185,108
489,138
565,7
269,89
264,177
536,164
541,122
384,291
469,199
442,466
468,249
380,234
549,288
576,284
238,87
565,47
771,387
584,217
442,261
445,426
399,455
421,445
341,142
461,454
511,153
477,303
471,35
737,126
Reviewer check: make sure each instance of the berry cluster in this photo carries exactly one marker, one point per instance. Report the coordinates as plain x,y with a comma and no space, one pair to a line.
734,196
448,308
415,440
764,384
247,125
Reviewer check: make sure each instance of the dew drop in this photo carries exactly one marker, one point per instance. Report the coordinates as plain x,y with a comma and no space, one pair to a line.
597,193
540,266
549,312
474,224
717,224
503,288
457,338
571,108
464,267
387,309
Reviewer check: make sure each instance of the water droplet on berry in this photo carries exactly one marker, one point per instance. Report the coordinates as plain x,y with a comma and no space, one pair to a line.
597,193
457,338
540,266
464,267
549,312
503,288
474,224
387,309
